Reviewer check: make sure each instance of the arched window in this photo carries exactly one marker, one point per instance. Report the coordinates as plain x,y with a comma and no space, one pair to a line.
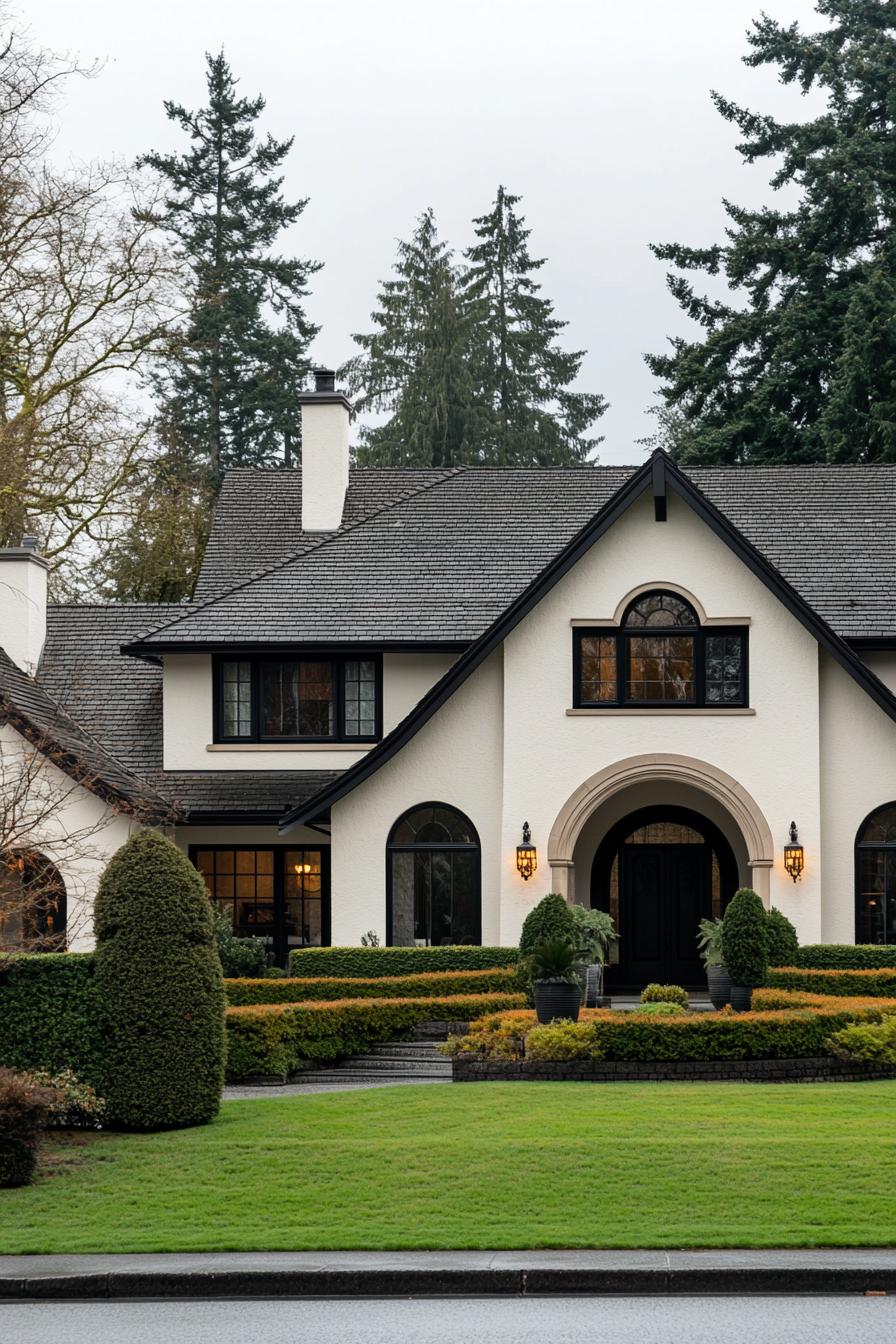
433,879
876,877
33,905
661,657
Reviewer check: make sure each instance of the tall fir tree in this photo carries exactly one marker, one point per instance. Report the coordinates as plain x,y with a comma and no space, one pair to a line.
415,365
529,412
805,369
229,390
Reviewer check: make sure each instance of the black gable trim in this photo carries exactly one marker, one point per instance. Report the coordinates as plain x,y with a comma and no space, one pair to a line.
317,808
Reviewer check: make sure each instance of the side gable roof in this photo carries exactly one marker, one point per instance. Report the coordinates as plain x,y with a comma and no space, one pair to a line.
658,474
32,711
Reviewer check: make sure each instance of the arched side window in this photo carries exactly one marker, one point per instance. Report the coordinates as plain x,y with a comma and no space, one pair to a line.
876,877
433,879
33,903
660,656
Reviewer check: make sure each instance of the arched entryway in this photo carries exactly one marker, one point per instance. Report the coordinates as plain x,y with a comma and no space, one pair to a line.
658,872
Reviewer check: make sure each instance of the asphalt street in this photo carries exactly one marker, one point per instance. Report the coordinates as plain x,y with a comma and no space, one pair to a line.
566,1320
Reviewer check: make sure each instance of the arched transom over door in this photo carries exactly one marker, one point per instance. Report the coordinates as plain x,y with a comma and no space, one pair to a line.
433,888
876,877
658,873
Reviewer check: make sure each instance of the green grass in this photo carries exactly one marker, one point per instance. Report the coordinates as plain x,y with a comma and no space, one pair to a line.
482,1165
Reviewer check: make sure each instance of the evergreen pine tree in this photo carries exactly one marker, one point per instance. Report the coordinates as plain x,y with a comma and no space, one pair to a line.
805,370
530,414
230,389
416,363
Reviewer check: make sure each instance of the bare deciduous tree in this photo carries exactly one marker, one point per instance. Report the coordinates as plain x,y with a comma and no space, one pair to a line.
85,298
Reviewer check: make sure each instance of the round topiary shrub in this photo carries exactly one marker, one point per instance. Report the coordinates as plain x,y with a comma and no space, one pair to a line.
654,993
783,944
744,939
550,922
158,979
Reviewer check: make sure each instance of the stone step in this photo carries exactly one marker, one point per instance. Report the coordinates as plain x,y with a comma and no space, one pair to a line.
406,1050
337,1076
380,1064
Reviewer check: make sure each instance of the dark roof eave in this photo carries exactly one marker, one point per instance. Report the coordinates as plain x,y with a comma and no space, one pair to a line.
645,478
152,652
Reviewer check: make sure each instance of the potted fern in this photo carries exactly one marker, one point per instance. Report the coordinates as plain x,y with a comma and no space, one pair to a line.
555,985
594,931
709,943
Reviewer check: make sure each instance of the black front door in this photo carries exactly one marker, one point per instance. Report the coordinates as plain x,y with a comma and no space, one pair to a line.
658,872
665,890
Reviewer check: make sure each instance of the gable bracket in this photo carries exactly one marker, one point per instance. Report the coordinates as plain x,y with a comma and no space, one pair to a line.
658,485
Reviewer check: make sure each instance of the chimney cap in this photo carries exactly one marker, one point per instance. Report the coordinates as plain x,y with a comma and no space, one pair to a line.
29,542
325,390
324,379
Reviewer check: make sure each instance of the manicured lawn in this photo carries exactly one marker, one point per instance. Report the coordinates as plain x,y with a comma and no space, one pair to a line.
488,1165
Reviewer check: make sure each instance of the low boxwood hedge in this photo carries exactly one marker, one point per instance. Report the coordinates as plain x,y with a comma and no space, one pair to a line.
785,1025
48,1014
276,1038
368,963
845,956
868,984
434,984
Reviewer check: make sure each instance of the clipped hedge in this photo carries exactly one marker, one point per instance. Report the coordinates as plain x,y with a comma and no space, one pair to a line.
868,984
370,963
433,984
276,1038
158,978
844,956
49,1014
786,1025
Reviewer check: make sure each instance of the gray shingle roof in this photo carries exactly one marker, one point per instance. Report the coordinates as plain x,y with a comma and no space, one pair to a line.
32,711
258,518
444,562
118,700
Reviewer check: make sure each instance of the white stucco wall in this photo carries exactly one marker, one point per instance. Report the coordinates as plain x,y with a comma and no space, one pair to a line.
79,837
883,665
455,759
188,716
858,775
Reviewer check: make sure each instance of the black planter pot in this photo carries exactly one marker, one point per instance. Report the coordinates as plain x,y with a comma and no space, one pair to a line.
719,982
555,998
741,997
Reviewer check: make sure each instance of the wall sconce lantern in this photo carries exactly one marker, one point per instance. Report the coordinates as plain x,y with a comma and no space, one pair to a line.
526,855
793,854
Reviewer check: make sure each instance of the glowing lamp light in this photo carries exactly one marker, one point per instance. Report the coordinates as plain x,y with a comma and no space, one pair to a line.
793,854
301,868
526,855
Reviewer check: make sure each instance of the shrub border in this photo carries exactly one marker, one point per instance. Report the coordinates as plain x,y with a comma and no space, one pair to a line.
817,1069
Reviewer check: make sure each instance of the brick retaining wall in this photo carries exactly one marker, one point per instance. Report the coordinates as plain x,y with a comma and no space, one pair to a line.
822,1069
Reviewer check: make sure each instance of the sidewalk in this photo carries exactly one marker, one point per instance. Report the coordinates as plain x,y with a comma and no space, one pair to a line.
443,1274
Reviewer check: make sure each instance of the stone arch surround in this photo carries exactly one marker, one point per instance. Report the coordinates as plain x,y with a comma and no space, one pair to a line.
666,769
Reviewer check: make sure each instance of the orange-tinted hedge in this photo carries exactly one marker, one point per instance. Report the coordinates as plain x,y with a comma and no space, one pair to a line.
783,1025
880,983
275,1038
432,984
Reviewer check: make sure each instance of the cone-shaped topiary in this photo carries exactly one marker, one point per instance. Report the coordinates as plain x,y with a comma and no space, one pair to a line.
744,939
783,943
158,978
549,922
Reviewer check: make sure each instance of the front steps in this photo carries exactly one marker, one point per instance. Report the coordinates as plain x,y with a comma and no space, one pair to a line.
390,1062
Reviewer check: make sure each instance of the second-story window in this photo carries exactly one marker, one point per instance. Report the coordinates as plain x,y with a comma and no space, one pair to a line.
298,699
660,657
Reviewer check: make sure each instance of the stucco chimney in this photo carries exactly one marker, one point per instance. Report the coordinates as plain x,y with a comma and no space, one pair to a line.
23,604
325,418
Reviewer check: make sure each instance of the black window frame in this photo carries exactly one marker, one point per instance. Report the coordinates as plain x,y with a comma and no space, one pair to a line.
257,661
622,636
279,939
410,847
864,847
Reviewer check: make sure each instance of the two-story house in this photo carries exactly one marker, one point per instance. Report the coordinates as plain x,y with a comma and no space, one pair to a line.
383,674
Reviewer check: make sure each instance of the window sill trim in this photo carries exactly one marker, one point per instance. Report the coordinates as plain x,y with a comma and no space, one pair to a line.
290,746
678,710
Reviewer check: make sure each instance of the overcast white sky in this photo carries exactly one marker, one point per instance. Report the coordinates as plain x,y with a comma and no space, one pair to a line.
597,112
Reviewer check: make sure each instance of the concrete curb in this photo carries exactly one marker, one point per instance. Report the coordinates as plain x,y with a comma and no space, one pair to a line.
444,1274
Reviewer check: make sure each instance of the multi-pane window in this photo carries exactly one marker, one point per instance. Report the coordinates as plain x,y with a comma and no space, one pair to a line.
434,878
275,893
876,878
660,657
312,699
360,698
236,699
